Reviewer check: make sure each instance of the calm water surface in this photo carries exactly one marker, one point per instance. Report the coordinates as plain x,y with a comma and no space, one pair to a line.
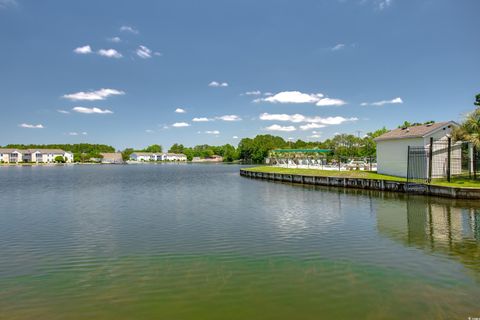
201,242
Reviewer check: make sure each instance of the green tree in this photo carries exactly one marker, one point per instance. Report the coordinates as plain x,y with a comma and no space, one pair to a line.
469,129
229,153
257,149
176,148
126,153
189,153
369,148
153,148
59,159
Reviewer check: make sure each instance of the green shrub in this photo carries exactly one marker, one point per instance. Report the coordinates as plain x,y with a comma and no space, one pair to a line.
60,159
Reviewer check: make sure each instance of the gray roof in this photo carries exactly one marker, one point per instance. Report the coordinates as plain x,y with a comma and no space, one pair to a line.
175,154
10,150
59,151
144,153
415,131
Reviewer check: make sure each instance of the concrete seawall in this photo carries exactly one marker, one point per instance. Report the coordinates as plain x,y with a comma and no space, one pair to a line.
368,184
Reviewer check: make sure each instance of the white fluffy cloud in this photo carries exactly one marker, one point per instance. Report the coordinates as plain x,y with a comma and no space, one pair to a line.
110,53
115,39
201,119
283,117
277,127
63,111
339,46
293,97
101,94
397,100
216,84
83,50
230,117
253,93
310,126
180,125
180,110
297,118
326,102
212,132
77,133
235,137
299,97
93,110
31,126
129,29
144,52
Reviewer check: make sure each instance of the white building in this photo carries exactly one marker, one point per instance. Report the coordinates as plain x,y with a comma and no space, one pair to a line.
151,156
392,147
34,155
174,157
145,156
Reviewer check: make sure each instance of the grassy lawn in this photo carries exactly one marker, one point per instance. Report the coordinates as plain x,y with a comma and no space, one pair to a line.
457,182
327,173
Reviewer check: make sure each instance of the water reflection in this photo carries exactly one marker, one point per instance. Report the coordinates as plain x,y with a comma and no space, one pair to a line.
440,226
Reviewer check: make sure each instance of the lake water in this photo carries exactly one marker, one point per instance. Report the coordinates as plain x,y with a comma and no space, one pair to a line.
201,242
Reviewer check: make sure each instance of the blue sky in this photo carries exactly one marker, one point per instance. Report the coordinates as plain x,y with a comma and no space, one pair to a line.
116,72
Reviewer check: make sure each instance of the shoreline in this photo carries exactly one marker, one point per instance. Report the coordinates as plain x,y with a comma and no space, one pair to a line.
366,184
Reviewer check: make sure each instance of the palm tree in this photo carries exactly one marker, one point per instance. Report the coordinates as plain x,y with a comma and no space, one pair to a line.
469,130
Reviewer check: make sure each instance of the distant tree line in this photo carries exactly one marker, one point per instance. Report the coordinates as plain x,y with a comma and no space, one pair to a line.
344,145
227,151
255,150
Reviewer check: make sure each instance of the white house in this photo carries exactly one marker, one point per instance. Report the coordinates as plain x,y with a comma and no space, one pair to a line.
151,156
46,155
11,155
144,156
392,147
34,155
174,157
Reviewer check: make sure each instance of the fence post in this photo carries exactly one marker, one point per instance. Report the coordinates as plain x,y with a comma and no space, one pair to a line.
475,162
470,160
449,158
408,164
430,161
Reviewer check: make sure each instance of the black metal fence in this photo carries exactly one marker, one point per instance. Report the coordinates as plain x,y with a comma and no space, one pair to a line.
442,160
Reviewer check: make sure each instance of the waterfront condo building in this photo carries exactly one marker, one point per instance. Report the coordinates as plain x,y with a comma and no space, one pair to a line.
151,156
33,155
